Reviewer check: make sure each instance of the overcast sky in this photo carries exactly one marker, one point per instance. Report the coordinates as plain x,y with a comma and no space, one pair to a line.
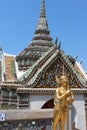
67,19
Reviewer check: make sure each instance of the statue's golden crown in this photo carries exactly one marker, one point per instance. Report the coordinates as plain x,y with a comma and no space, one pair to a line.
64,79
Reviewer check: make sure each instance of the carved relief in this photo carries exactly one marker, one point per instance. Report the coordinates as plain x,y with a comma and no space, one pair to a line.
48,80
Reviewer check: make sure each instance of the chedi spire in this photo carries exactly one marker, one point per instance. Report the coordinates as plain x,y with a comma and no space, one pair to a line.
42,11
40,43
42,31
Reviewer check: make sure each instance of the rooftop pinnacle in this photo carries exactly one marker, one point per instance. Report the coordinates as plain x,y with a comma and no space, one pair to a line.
42,26
42,11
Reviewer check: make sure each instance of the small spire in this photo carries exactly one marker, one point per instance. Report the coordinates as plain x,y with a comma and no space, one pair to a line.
42,11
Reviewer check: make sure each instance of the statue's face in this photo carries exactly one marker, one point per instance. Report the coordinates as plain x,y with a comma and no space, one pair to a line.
64,81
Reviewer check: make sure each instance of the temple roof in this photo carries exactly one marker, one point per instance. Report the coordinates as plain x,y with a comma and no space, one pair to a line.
37,72
34,75
8,68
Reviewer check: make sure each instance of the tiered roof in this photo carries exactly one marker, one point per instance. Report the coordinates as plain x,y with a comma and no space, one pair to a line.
41,42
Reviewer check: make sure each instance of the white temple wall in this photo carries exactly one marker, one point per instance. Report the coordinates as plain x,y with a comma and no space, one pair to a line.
37,101
80,118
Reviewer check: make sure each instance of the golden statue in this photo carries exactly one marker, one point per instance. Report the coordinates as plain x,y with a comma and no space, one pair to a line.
62,98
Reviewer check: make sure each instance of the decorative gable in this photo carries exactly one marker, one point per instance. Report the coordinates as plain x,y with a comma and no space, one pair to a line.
48,78
42,75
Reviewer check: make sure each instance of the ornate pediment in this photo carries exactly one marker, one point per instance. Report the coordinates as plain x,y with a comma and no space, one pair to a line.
52,63
48,78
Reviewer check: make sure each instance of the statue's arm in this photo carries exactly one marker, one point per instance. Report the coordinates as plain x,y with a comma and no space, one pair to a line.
63,95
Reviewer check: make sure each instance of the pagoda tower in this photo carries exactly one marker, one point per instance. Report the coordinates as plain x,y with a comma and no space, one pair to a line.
40,43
